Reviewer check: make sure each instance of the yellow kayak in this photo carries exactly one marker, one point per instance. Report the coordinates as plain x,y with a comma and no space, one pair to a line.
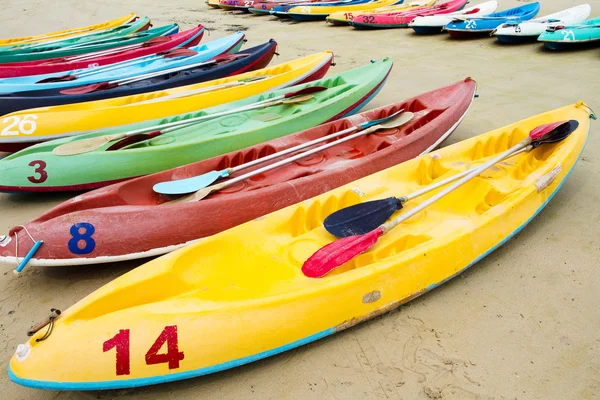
344,17
69,33
47,123
317,12
240,295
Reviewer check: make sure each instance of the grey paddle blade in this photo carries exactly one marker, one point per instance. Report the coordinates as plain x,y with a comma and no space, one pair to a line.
361,218
189,185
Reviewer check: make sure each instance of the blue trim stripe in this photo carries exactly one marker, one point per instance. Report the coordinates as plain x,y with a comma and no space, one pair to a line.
129,383
135,382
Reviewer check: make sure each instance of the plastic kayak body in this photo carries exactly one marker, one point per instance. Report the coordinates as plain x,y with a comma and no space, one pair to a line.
401,19
133,203
190,37
316,11
484,25
203,140
75,119
225,65
211,300
128,69
530,30
136,32
345,17
432,24
264,7
68,33
586,33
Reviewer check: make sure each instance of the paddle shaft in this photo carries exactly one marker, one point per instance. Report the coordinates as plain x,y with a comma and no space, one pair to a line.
197,91
125,81
290,150
278,164
296,148
126,63
192,121
474,173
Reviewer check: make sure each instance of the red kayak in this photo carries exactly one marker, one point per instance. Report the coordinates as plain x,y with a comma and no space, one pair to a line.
128,220
190,37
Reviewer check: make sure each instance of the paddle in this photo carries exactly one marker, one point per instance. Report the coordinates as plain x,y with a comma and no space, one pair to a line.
199,183
179,52
364,217
343,250
91,144
93,87
116,50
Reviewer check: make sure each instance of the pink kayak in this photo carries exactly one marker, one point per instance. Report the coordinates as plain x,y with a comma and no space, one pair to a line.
401,19
190,37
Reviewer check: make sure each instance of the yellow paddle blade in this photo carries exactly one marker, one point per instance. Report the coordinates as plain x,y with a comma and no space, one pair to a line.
85,145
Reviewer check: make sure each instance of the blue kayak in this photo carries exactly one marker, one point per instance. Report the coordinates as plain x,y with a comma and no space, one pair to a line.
222,66
124,70
460,28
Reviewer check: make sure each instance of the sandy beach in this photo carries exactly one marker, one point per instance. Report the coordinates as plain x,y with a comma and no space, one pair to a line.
523,323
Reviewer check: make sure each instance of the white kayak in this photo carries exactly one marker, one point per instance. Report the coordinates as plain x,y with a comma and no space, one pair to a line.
530,30
435,23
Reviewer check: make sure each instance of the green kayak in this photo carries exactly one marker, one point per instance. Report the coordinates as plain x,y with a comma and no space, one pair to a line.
38,169
124,35
586,33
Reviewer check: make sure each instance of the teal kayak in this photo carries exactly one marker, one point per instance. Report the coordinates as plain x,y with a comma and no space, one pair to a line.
124,35
586,33
344,94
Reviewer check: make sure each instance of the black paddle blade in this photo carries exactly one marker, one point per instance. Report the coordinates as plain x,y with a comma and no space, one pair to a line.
361,218
557,134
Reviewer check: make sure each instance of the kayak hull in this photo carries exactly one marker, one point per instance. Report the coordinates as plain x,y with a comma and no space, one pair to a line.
428,30
403,17
513,39
65,34
582,35
130,70
76,119
433,24
186,297
107,208
188,38
346,94
478,26
581,44
138,30
255,58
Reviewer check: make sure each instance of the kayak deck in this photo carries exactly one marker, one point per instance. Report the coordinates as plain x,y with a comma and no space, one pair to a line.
217,312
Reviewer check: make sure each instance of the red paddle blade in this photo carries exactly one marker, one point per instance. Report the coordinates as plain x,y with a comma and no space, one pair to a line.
473,11
338,253
542,130
89,88
180,53
156,40
62,78
559,133
308,90
132,140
